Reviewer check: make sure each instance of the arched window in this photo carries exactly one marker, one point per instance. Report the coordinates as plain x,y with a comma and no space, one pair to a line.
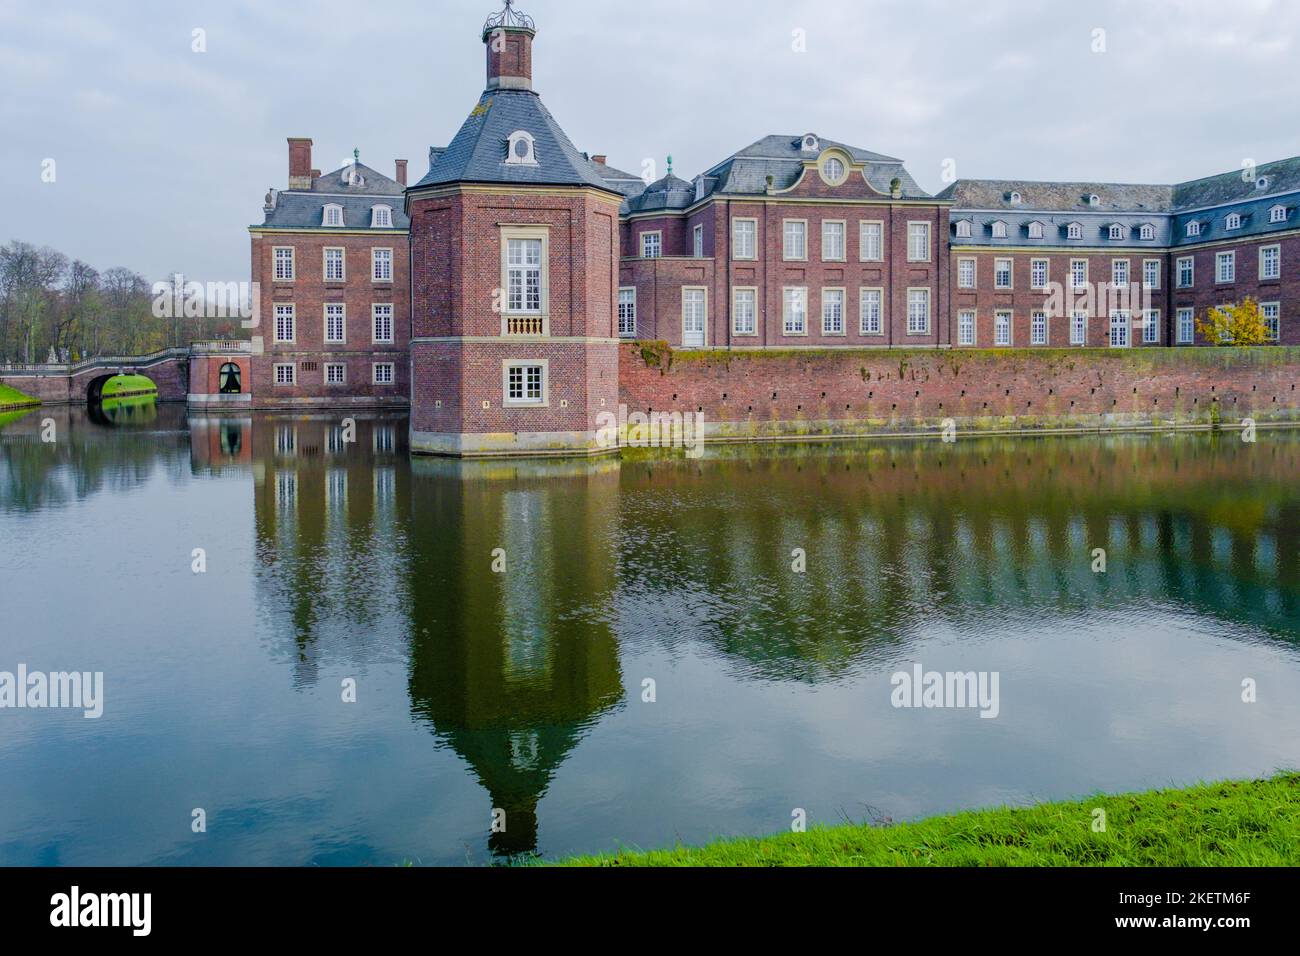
229,379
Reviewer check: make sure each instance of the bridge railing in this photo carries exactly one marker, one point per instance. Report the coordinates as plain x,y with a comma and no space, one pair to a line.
231,345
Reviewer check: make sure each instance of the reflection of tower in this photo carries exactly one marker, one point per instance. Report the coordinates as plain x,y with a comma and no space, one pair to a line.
511,668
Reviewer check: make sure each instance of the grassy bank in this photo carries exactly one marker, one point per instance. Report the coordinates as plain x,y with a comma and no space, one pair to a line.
1240,823
12,398
120,385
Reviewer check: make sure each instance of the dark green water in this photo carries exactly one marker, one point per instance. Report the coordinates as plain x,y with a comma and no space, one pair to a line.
522,690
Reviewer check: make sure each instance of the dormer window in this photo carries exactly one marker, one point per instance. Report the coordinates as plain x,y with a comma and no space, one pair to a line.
1035,230
520,150
999,229
333,215
1117,231
1094,200
963,228
1147,231
1015,199
1193,228
833,170
1261,182
1277,214
1074,231
381,217
810,144
1233,221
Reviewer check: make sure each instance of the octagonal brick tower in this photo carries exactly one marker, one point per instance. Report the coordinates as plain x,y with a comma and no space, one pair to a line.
514,265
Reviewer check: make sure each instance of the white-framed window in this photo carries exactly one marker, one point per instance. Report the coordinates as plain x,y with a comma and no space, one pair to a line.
918,242
1038,327
833,240
966,327
918,311
381,217
336,373
698,237
871,312
871,238
284,271
795,239
1078,327
333,215
1148,231
999,229
335,323
1272,313
832,171
627,312
1002,273
794,310
695,316
1186,272
381,265
963,228
334,265
285,323
1270,262
1225,267
1038,273
832,311
1120,321
521,149
1277,214
1186,326
652,245
1117,231
525,383
1074,231
1151,273
965,273
1035,230
1002,328
1233,221
382,313
524,274
286,373
383,373
1119,273
744,311
1193,228
1151,326
1078,274
744,239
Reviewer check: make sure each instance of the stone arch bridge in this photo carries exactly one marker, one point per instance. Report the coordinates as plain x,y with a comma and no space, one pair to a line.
169,369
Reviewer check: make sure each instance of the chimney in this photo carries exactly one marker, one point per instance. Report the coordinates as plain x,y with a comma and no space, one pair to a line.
299,163
401,172
600,158
509,39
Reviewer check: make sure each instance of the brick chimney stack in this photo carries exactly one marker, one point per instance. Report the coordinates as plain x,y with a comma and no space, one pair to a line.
509,39
401,171
299,163
600,158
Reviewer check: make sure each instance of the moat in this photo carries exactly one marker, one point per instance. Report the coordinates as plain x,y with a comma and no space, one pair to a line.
500,621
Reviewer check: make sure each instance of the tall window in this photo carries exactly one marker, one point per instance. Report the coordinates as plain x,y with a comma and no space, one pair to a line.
1038,328
871,237
699,242
1186,272
1119,273
918,242
833,241
284,323
1185,326
832,311
694,317
1002,273
965,273
1038,274
918,311
871,312
1151,326
1270,262
1119,327
334,265
1272,312
744,239
284,263
1225,267
744,312
966,327
627,312
334,323
1078,327
1151,273
1002,328
795,311
524,274
796,239
381,261
383,321
525,384
230,379
651,245
1078,274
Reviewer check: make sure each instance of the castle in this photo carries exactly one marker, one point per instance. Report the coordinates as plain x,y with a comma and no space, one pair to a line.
491,295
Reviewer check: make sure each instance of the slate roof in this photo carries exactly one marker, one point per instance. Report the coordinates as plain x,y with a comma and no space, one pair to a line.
782,158
477,154
1059,197
1282,176
670,193
305,208
629,184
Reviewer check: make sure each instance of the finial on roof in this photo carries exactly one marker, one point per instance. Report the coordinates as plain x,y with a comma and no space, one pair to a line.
509,18
356,155
670,164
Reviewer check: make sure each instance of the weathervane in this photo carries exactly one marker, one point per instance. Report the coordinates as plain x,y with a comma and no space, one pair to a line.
509,17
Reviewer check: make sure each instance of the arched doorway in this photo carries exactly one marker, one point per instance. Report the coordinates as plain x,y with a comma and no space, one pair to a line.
230,379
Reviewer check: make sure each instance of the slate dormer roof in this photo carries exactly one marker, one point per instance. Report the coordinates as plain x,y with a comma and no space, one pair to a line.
355,187
477,154
668,193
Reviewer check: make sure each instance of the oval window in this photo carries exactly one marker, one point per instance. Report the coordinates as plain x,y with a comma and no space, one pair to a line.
833,170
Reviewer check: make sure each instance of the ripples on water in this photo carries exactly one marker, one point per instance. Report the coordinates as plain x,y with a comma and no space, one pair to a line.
523,690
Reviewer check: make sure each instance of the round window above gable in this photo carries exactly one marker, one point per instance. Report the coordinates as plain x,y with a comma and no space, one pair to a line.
833,170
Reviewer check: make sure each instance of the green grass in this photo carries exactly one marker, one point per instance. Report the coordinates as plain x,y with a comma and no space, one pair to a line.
11,396
127,384
1243,823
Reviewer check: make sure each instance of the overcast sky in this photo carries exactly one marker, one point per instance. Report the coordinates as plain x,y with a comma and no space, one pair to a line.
162,155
